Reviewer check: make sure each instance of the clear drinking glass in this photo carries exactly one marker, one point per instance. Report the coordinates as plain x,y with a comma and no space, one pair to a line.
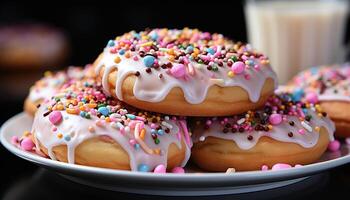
297,34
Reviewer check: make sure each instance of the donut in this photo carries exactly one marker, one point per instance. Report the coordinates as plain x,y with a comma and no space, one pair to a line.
81,125
282,131
185,72
330,85
31,46
46,87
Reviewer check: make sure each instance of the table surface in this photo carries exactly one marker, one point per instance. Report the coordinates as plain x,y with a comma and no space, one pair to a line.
21,179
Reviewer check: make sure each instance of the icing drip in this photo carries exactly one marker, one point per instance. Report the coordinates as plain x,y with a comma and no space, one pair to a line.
247,134
193,77
133,135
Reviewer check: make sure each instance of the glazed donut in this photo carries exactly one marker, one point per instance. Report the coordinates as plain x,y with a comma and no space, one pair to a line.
185,72
81,125
331,86
283,131
31,46
46,87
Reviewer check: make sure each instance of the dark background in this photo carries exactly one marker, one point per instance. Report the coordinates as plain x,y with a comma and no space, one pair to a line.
88,26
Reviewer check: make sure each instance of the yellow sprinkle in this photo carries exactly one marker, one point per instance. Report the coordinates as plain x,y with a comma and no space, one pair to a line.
270,127
196,51
117,59
26,133
156,151
317,129
59,107
59,135
142,133
48,73
319,114
146,44
108,119
72,111
92,105
171,58
171,52
127,55
230,74
80,103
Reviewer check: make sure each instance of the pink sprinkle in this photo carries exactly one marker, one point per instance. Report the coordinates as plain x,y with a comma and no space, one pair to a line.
132,142
54,128
312,97
27,144
178,170
264,168
55,117
334,146
280,166
301,131
178,70
238,67
247,76
298,165
347,140
153,126
14,140
208,122
275,119
160,169
135,58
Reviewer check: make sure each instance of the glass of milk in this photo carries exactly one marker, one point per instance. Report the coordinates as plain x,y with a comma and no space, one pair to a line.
297,34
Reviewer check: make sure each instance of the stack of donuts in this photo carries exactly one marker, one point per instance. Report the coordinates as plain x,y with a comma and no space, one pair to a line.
155,98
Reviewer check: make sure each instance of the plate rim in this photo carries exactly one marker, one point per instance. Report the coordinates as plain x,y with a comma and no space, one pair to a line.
258,176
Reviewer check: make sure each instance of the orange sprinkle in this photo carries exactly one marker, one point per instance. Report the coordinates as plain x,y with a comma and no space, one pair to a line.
59,135
142,133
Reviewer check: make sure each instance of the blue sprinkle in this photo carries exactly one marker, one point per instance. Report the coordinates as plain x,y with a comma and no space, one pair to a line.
67,138
148,60
131,116
211,51
137,146
82,114
298,94
189,49
153,131
154,36
136,35
160,132
250,62
304,110
143,168
313,70
110,43
121,52
103,110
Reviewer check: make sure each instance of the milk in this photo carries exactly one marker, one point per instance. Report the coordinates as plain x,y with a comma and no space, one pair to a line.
297,34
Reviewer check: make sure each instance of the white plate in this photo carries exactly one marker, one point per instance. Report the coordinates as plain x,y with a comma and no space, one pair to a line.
189,184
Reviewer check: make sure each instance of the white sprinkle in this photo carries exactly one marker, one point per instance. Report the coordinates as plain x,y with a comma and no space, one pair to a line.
241,121
167,118
169,126
201,138
306,126
127,129
230,170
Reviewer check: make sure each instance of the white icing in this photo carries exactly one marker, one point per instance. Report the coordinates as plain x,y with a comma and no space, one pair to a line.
278,132
78,129
149,87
